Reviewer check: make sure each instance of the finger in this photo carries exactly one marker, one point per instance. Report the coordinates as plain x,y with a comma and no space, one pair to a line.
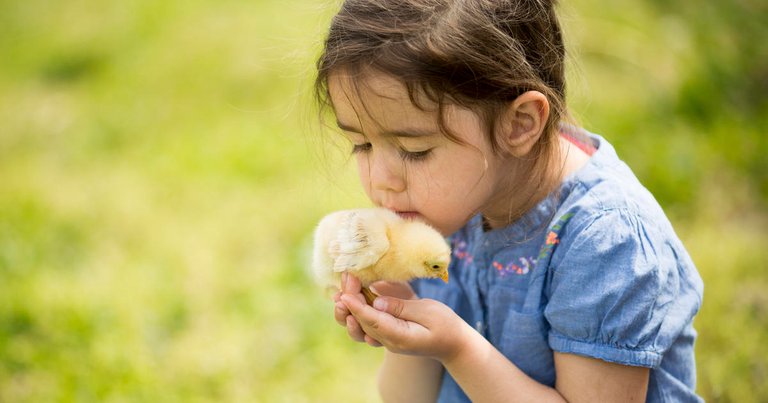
337,296
417,310
357,307
352,285
372,342
377,324
340,313
354,330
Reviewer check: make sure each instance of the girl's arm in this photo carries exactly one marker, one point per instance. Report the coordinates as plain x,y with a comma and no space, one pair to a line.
615,382
579,379
430,329
406,378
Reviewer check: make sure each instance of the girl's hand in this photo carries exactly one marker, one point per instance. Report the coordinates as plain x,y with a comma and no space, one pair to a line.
421,327
351,286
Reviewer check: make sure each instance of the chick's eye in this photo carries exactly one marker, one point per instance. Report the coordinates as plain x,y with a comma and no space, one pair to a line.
436,267
361,148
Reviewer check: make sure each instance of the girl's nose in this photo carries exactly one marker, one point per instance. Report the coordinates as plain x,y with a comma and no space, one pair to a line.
386,174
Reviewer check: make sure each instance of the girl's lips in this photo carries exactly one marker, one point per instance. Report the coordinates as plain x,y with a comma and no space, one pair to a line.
408,215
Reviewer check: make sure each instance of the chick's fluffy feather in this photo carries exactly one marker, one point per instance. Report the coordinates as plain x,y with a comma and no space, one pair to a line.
376,244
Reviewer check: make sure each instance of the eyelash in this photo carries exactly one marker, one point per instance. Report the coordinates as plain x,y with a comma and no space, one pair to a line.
406,155
415,156
361,148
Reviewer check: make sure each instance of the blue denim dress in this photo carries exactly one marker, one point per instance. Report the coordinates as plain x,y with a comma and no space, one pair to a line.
595,270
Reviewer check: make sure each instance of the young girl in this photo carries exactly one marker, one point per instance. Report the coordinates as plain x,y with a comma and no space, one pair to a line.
568,283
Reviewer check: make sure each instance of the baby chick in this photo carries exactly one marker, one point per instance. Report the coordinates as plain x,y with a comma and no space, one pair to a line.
376,244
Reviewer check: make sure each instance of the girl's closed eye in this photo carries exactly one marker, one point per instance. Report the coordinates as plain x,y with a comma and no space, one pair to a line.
415,155
404,154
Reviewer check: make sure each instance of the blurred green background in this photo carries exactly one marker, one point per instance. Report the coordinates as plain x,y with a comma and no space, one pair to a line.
160,176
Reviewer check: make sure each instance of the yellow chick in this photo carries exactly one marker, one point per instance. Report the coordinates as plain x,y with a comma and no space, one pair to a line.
376,244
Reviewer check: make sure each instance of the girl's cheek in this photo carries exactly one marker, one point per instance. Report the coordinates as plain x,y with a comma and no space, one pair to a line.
363,172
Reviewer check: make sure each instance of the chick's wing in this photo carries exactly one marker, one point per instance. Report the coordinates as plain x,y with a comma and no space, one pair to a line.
360,240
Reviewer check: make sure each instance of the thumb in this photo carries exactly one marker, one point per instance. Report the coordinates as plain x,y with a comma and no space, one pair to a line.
415,310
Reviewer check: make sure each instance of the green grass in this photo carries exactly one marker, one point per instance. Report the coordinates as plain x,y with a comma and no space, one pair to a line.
160,176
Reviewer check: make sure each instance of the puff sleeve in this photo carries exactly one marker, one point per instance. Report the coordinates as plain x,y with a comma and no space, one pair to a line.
620,289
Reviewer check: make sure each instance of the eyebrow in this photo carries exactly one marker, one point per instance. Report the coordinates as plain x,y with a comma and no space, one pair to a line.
405,132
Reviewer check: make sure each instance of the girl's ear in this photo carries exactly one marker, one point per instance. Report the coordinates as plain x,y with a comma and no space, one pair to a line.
522,123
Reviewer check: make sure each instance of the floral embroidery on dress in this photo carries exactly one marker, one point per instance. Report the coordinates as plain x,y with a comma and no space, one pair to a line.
526,263
460,250
553,238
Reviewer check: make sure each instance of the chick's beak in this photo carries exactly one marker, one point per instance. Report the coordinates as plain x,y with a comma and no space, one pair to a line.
444,276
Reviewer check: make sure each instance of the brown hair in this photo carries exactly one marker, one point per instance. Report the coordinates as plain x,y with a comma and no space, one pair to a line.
478,54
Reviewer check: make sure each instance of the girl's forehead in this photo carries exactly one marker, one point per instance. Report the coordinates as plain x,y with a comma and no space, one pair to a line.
368,85
377,96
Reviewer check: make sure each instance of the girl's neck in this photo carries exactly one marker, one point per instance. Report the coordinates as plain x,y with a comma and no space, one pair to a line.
573,157
509,206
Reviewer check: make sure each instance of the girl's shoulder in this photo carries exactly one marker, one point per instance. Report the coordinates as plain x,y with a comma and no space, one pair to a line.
606,187
605,216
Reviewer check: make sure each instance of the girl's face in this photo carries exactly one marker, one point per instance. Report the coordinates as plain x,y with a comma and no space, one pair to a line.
404,161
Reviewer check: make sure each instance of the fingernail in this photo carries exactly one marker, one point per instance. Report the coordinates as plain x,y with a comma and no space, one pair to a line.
380,304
